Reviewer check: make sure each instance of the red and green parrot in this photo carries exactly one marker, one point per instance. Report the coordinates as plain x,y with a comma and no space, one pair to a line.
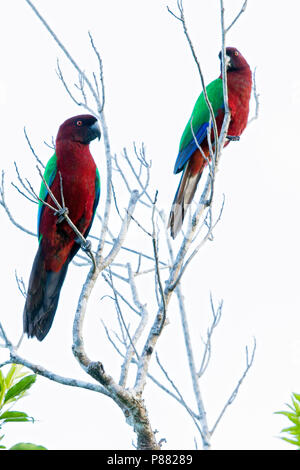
190,161
57,241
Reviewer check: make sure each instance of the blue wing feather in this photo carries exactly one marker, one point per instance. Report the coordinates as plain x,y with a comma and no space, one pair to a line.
185,154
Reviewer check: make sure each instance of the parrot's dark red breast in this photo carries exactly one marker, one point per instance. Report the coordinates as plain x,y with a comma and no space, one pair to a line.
73,172
190,161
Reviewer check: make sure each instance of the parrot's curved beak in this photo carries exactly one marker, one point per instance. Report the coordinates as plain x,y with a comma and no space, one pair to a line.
88,132
227,59
94,131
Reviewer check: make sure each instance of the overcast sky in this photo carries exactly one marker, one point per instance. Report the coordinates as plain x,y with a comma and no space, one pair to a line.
253,263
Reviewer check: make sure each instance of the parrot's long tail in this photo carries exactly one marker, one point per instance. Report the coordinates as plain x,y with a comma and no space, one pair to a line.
42,297
183,198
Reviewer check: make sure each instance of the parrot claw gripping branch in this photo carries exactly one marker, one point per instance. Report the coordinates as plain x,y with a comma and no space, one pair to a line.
62,213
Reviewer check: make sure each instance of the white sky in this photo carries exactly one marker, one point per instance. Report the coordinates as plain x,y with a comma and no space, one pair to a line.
253,264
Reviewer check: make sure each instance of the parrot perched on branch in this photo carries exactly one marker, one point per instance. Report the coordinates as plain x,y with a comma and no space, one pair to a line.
190,160
70,172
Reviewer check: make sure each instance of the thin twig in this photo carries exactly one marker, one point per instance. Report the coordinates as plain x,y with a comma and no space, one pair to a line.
23,185
182,401
5,207
21,285
237,16
157,269
32,149
233,395
100,73
207,350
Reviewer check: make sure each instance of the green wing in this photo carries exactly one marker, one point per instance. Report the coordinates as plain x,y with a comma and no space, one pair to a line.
49,175
200,121
97,196
97,190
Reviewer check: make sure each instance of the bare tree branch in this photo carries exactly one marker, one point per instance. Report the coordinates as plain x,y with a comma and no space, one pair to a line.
249,363
237,16
5,207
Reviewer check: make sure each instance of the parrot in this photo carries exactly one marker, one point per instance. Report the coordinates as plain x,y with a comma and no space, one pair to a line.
189,160
70,172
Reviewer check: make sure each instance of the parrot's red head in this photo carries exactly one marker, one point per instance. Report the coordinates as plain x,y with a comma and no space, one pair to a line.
234,59
83,129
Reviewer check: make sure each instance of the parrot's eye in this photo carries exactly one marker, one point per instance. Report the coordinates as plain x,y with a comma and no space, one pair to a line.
236,53
79,123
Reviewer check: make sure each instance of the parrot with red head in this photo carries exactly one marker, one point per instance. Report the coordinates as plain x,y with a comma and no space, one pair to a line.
73,172
190,160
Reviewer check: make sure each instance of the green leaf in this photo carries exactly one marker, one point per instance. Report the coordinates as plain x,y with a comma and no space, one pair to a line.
297,396
2,388
296,406
14,416
27,446
290,441
10,376
1,446
290,407
10,414
20,388
292,430
292,416
21,371
17,420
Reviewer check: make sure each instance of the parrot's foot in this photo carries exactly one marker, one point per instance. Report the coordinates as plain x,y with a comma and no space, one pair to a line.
61,213
234,138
